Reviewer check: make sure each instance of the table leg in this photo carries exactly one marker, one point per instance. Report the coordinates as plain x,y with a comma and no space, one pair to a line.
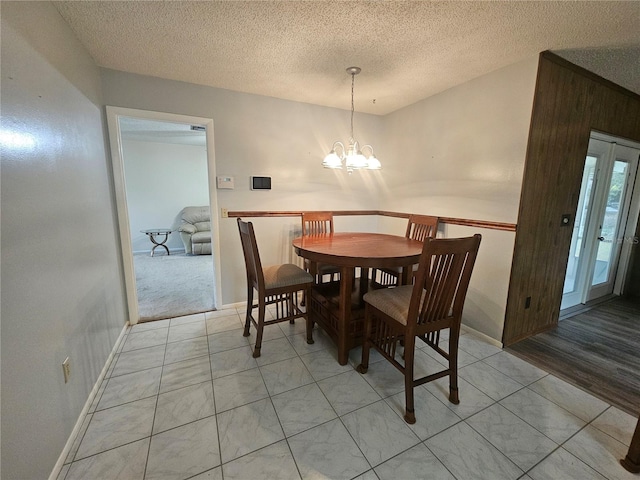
364,284
346,281
405,278
161,244
313,270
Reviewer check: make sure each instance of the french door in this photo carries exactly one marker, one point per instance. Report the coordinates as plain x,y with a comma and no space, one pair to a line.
601,219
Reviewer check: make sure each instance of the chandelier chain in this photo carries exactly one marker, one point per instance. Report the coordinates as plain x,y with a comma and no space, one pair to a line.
353,78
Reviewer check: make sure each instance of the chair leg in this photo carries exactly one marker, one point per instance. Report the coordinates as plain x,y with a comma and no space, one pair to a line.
409,351
364,363
309,322
258,346
453,366
247,321
290,306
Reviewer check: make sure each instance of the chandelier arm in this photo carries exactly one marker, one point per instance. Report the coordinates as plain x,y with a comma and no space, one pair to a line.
369,147
341,145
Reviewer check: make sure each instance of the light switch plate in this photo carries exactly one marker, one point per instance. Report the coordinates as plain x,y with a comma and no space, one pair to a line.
226,183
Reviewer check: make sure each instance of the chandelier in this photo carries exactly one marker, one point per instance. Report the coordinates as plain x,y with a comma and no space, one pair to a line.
352,157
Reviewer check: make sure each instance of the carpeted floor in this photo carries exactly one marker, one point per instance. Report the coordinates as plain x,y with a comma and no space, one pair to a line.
173,285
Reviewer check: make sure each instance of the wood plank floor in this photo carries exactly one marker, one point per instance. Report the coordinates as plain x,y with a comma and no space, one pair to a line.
597,350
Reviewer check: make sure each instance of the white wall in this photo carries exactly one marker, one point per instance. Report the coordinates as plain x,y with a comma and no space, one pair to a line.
161,179
62,288
461,154
257,135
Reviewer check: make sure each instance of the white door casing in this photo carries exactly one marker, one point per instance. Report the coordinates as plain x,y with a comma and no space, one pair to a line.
113,118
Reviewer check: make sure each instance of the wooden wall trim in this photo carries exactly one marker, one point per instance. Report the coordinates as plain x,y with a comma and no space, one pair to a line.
508,227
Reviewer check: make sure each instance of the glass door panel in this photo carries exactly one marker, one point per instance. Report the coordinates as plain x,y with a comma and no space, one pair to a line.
608,244
580,225
612,221
584,228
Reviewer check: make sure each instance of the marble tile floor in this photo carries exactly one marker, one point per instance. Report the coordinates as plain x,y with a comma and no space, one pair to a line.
184,399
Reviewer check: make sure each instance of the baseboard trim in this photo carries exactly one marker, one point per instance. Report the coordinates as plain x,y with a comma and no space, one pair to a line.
491,340
76,429
229,306
147,251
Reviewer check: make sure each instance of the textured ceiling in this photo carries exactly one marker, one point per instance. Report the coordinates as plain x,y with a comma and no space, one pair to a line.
299,50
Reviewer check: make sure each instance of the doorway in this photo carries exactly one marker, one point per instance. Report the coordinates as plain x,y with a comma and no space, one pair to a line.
132,132
607,211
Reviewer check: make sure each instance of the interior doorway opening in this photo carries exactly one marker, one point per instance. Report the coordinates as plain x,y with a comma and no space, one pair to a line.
143,197
605,223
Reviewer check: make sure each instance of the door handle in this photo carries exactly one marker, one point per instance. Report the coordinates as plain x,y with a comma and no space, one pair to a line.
601,239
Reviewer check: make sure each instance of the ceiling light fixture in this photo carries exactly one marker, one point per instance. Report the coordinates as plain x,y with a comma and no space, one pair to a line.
351,157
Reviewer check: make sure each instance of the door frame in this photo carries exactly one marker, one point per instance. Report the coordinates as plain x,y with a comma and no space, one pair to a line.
632,216
117,160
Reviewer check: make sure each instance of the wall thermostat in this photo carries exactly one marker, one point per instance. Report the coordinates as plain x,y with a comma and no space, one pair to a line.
260,183
225,183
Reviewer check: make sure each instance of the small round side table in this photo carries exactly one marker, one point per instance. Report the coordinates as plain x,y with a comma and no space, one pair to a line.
154,233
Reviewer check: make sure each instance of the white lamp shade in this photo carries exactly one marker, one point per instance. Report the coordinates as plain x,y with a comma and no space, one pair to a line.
332,160
373,163
355,159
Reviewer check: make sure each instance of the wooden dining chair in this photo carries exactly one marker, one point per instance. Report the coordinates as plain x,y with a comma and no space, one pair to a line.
419,227
433,303
276,285
319,223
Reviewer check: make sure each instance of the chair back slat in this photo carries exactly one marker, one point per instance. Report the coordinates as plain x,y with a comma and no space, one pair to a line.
317,223
438,291
255,276
421,227
442,279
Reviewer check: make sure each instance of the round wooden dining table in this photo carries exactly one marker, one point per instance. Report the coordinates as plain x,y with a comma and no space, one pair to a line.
348,251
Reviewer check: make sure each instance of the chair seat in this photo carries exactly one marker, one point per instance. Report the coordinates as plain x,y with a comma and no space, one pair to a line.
397,271
201,237
278,276
392,301
324,269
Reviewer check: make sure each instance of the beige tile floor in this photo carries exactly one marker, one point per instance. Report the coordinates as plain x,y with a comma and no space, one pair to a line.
184,398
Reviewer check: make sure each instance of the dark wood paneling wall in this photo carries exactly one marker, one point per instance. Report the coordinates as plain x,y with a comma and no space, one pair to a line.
569,103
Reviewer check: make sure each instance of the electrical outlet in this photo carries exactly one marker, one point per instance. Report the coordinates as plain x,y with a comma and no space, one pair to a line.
66,369
225,212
